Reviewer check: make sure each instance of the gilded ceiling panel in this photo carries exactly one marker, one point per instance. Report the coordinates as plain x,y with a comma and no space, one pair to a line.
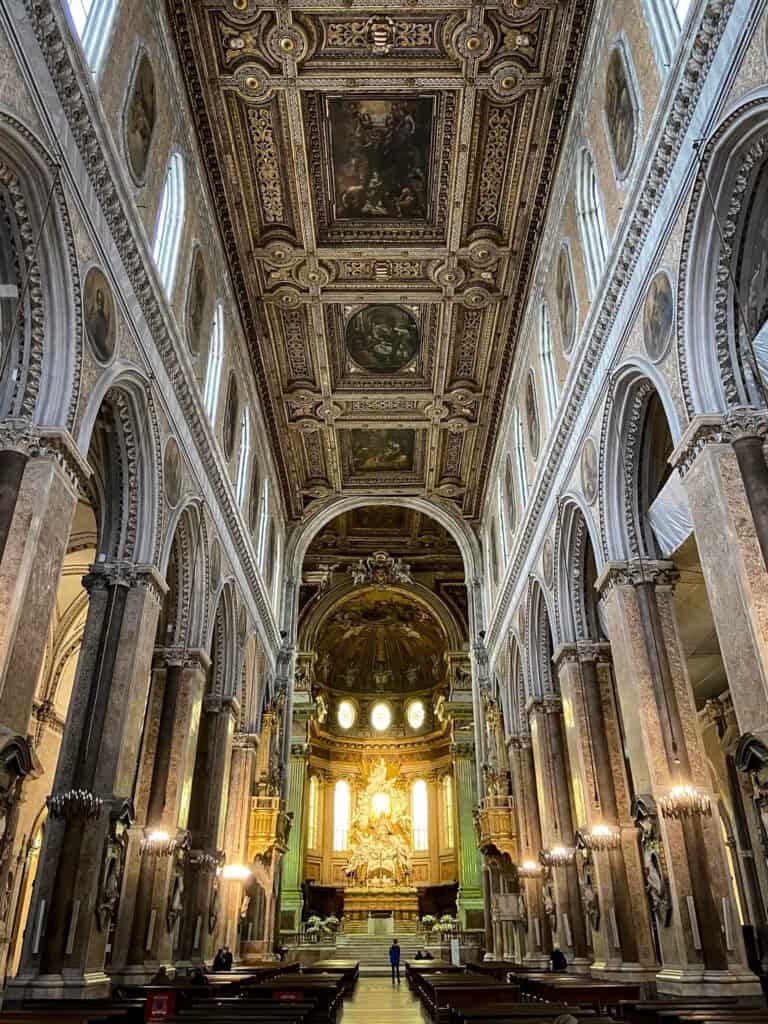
381,175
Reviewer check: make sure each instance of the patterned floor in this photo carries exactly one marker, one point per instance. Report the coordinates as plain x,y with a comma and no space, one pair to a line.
378,1001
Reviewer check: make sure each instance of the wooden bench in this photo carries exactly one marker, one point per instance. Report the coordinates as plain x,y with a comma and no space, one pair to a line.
348,969
327,991
444,993
575,989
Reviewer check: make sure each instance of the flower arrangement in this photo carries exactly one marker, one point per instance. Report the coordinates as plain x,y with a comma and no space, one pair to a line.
428,922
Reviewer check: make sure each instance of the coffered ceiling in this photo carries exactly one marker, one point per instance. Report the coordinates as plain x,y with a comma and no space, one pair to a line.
381,176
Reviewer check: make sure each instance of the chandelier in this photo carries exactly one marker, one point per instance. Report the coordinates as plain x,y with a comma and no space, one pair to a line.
600,838
557,856
75,803
380,570
685,802
529,869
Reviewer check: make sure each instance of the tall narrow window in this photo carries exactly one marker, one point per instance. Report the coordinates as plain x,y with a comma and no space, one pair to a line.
215,360
312,815
547,363
341,809
666,19
170,221
502,510
448,808
261,546
245,452
92,20
419,815
592,226
522,472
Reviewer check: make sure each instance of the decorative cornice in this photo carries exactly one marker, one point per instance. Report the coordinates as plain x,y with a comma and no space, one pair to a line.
24,437
544,705
670,133
705,430
636,573
132,250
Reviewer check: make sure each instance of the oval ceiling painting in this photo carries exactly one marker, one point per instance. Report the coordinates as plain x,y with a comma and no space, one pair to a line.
382,339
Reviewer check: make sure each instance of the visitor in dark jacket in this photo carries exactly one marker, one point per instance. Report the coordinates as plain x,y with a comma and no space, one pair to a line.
394,960
557,960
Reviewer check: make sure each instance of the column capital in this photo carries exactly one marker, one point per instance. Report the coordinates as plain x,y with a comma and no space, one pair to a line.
593,650
463,748
549,705
726,428
180,656
216,704
131,575
19,435
520,742
634,573
300,750
565,654
245,741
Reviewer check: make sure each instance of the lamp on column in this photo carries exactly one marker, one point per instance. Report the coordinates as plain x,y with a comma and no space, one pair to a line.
599,838
236,873
529,869
158,843
557,856
685,801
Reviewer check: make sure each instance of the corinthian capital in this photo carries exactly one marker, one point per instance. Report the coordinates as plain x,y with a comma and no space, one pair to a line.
635,573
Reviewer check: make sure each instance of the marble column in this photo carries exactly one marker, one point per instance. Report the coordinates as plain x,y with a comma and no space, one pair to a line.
78,884
241,778
143,936
557,788
470,898
38,496
700,942
536,939
291,898
208,809
622,940
723,468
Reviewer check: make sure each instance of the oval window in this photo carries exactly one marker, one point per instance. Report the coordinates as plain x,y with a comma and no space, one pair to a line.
416,714
346,714
381,717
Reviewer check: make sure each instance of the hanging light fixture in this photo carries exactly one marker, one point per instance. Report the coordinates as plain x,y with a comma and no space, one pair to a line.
158,843
557,856
600,838
685,801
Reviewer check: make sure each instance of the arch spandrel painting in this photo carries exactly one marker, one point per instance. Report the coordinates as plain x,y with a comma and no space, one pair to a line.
532,416
382,339
620,111
658,314
140,117
380,156
99,315
229,428
381,643
198,293
566,305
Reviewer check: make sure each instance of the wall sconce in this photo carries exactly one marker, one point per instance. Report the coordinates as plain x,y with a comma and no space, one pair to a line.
685,802
529,869
600,838
236,873
158,843
557,856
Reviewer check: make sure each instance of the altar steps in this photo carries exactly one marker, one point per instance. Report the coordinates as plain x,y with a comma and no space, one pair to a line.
373,950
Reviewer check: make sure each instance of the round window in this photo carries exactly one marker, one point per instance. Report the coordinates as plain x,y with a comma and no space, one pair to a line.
346,714
381,717
416,714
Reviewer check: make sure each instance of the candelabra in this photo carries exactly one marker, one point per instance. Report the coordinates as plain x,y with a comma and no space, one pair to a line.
157,843
557,856
75,803
600,838
529,869
685,802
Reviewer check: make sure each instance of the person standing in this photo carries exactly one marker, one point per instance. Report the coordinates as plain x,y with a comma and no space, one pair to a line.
394,961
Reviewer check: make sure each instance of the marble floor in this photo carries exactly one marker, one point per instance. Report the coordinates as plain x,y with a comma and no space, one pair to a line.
378,1001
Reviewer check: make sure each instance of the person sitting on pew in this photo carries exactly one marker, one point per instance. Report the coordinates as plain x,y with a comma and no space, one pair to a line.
557,959
161,978
223,960
197,976
419,955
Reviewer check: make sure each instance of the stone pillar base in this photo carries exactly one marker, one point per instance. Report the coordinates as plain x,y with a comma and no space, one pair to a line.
700,982
580,965
620,971
537,961
67,985
141,974
467,901
291,902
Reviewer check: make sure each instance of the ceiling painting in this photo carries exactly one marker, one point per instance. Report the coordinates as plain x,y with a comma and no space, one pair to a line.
381,178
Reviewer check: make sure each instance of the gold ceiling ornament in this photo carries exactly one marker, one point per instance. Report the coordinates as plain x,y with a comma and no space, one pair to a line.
379,571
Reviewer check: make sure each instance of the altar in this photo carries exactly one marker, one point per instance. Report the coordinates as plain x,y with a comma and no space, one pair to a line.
398,903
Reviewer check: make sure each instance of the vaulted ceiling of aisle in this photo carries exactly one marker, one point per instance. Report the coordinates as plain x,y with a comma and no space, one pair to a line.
381,176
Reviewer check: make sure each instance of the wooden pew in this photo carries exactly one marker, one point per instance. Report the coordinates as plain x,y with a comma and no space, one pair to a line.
348,969
327,990
443,993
